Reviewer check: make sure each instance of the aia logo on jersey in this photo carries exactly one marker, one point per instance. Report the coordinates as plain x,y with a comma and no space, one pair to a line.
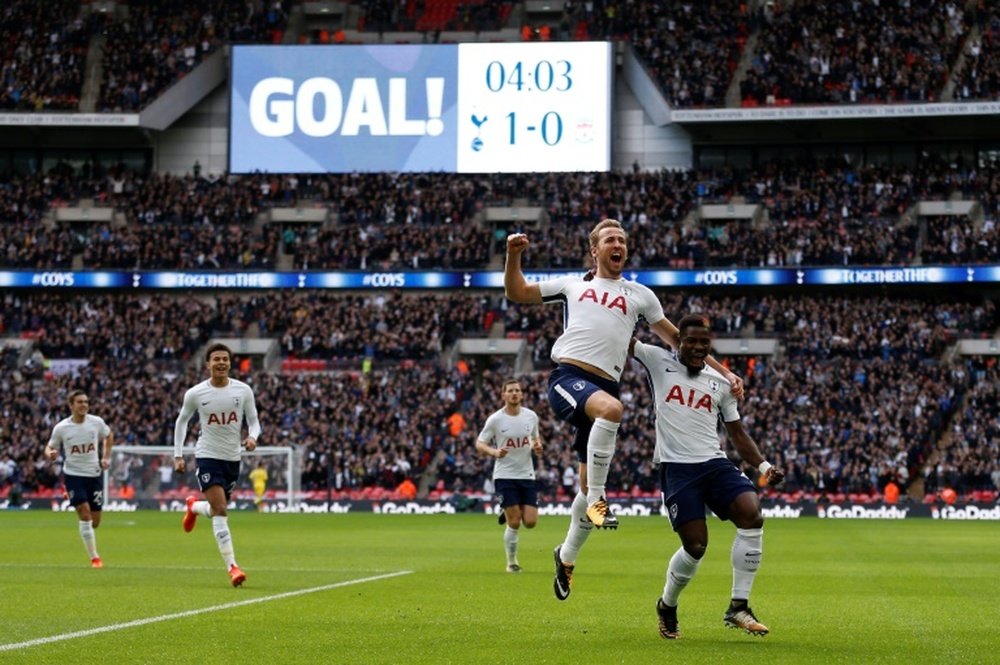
618,302
82,449
693,399
517,443
222,418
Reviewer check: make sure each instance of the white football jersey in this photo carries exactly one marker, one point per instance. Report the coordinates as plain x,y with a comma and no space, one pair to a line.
221,412
599,319
80,443
515,433
687,407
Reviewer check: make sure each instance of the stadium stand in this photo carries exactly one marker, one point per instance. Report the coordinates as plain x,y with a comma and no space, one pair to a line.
416,222
858,398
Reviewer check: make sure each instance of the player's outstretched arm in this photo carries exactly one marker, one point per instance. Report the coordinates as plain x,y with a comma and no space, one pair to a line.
750,453
515,286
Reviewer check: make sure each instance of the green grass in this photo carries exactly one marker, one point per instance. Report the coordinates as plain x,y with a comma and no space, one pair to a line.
837,591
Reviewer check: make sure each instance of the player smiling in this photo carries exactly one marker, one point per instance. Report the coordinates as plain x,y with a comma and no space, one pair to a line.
222,404
690,398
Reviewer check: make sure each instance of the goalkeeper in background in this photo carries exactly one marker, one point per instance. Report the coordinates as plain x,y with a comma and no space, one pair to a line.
222,404
690,398
258,477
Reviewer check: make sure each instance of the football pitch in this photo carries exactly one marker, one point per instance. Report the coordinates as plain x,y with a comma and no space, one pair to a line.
368,588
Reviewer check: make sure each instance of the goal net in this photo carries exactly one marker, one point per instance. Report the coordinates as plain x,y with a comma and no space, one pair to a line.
145,476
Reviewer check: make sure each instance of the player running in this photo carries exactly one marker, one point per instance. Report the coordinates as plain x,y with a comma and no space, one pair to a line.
222,404
511,435
80,437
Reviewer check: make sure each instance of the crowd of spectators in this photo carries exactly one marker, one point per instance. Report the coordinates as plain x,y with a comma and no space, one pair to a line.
979,76
387,327
967,461
157,43
43,48
690,48
855,51
958,238
828,52
811,214
859,396
428,16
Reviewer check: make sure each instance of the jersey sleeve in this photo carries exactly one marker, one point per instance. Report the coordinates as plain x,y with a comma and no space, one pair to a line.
640,351
103,429
188,410
652,309
728,406
486,435
55,439
552,288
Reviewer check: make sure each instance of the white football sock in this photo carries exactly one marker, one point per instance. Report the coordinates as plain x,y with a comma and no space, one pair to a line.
201,508
682,568
89,539
220,527
510,538
600,450
580,527
746,555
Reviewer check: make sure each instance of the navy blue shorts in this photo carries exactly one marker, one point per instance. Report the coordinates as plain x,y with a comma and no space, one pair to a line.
569,389
85,489
688,488
516,492
217,472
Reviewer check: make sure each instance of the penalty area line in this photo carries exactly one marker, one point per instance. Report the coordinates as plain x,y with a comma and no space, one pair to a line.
190,613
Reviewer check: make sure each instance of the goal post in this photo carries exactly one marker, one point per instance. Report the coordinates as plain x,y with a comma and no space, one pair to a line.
145,474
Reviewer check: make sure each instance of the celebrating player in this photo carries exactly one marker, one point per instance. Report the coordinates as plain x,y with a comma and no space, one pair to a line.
511,436
80,437
689,399
600,317
222,403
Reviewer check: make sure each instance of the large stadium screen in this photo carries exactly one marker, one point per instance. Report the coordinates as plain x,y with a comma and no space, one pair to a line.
457,108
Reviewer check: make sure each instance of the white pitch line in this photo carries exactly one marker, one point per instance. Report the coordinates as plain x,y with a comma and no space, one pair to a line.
190,613
117,567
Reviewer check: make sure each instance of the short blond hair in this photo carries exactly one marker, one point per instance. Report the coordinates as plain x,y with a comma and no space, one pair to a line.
605,224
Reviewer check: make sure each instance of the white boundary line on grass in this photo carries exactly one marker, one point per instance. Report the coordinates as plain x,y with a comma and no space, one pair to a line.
190,613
